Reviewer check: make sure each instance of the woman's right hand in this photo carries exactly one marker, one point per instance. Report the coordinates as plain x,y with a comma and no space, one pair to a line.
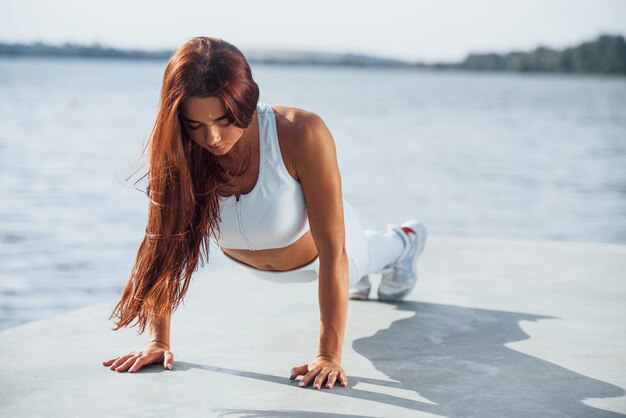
153,353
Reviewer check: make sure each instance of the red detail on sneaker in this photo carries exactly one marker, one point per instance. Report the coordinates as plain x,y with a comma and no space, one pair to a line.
408,230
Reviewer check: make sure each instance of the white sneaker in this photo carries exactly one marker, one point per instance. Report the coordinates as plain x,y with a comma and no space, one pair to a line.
399,277
361,290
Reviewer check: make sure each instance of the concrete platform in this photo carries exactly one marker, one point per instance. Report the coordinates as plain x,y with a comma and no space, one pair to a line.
494,328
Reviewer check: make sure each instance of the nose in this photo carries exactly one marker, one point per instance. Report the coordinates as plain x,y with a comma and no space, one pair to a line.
213,136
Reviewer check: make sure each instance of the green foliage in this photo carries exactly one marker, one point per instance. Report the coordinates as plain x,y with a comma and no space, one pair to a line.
605,55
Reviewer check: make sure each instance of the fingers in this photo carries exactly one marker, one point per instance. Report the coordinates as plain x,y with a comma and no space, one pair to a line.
139,362
109,362
308,377
332,377
129,362
343,380
299,371
321,375
168,362
120,360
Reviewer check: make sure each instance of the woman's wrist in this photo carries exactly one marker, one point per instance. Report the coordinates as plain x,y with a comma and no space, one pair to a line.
328,357
160,343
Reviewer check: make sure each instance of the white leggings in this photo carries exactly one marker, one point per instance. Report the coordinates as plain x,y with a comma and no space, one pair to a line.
368,252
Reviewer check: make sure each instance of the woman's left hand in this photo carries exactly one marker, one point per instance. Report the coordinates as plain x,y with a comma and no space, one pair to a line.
327,369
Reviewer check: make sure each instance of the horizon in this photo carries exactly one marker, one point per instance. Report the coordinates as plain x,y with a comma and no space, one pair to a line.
431,31
98,45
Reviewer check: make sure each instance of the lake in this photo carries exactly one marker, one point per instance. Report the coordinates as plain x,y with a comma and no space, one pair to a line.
499,155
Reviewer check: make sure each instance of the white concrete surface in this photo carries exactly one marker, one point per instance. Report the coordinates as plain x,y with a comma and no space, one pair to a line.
494,328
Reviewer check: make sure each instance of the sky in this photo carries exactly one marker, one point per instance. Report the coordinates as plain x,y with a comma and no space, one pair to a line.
417,30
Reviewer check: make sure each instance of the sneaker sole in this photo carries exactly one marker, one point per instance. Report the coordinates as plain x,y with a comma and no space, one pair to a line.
360,295
395,297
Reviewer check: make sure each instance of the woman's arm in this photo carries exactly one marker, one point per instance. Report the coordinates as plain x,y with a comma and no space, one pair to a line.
160,330
318,172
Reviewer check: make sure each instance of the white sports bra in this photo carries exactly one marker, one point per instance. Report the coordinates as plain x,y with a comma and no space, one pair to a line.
274,213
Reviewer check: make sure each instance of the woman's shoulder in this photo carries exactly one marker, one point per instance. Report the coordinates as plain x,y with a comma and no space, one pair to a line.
296,125
300,131
293,119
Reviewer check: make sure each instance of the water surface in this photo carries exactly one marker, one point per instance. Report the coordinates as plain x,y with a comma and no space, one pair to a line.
470,154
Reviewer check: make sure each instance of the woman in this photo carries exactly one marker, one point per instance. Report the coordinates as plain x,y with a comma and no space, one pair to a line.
263,182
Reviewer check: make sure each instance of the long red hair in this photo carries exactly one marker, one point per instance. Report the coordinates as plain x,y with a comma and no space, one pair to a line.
183,179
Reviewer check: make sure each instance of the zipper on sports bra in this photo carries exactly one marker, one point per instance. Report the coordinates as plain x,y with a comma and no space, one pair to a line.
243,234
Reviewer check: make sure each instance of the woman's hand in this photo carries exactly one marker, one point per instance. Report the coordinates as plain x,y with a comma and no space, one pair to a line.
153,353
327,369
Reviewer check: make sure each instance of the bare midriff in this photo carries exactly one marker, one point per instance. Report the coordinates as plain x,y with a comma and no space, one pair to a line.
297,254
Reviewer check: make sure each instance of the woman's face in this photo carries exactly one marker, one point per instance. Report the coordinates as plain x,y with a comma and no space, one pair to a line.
204,118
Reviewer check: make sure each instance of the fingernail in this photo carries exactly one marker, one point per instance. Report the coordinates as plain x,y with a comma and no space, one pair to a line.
316,386
169,366
301,383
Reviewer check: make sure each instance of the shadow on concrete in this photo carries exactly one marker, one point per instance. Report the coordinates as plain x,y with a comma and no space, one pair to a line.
456,358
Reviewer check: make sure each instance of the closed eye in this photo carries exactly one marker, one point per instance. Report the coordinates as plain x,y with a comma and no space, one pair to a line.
222,123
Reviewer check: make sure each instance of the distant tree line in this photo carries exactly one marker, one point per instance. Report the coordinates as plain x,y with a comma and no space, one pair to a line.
76,50
269,57
605,55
